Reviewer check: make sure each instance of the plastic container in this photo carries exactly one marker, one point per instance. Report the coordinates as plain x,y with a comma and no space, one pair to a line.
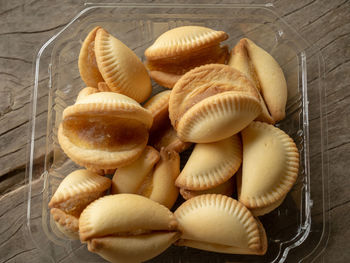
297,230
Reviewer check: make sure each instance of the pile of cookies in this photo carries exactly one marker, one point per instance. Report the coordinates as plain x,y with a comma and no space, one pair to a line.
225,103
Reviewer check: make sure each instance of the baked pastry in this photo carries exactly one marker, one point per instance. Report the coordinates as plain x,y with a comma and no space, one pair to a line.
104,58
120,68
270,167
226,188
104,130
87,64
75,192
211,164
221,224
211,103
67,224
129,179
162,134
149,177
102,86
86,92
127,228
181,49
264,71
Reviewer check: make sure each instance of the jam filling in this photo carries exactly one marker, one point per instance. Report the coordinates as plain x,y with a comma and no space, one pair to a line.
104,133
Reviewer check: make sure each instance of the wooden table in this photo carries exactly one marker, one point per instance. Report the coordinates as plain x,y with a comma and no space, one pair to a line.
27,24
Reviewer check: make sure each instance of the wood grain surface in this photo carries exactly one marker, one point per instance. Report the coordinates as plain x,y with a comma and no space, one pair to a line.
26,25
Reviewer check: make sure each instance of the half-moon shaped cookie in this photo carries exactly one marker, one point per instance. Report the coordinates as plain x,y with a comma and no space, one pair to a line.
160,186
221,224
86,92
225,188
211,103
128,179
104,130
120,68
127,228
181,49
77,190
239,59
270,167
87,64
211,164
266,74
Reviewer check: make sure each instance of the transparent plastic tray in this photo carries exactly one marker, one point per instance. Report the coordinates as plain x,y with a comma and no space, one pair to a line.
297,230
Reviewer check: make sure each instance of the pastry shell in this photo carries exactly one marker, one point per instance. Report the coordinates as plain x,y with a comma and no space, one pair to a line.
124,215
96,143
86,92
180,49
239,60
121,69
66,224
226,188
211,164
128,179
211,103
132,248
87,64
270,167
229,226
267,75
77,190
160,186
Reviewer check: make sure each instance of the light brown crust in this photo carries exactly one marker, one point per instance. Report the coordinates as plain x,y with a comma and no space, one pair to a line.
103,87
124,213
225,188
218,117
268,77
77,190
66,224
165,79
88,69
162,187
121,69
211,164
274,171
86,92
183,40
129,179
229,225
168,139
240,60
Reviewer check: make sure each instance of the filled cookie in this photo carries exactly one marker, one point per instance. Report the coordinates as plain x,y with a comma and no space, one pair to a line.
181,49
104,130
127,228
270,167
211,103
263,70
211,164
75,192
220,224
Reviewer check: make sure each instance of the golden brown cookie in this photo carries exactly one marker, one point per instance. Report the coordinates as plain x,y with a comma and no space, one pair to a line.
160,185
267,75
120,68
86,92
226,188
239,60
127,228
270,167
129,179
181,49
77,190
87,64
221,224
211,103
66,223
104,130
153,175
211,164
